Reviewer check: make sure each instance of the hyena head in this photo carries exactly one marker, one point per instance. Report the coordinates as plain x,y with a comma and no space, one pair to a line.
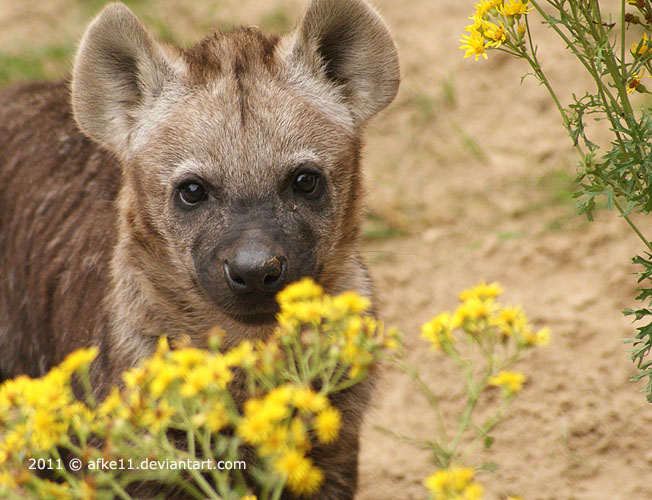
240,156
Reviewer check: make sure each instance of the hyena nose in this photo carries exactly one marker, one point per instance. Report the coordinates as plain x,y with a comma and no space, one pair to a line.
255,271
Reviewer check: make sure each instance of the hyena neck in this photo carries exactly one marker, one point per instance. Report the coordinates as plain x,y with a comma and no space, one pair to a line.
352,275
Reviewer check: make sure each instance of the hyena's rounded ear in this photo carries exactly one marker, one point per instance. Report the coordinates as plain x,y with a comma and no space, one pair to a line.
119,70
348,43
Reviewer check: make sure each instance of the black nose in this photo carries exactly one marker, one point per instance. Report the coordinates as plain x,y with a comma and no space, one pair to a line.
255,271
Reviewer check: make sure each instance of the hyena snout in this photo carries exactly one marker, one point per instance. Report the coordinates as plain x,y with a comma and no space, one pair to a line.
255,269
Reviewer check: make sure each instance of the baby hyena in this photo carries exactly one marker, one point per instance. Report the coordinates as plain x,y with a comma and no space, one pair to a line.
172,190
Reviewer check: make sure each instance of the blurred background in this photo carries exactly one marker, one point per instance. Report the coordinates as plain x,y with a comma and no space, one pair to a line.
469,176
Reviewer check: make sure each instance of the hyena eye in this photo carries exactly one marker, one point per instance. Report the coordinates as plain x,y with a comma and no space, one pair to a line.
192,192
306,182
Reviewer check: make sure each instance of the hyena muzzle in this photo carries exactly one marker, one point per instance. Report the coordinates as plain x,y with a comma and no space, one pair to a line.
169,190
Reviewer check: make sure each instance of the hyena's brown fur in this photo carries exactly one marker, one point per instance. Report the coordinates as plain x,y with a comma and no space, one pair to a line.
168,190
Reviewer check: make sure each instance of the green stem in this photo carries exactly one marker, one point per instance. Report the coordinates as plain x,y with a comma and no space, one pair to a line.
647,243
623,66
278,491
200,480
605,96
117,489
474,392
441,454
414,374
486,429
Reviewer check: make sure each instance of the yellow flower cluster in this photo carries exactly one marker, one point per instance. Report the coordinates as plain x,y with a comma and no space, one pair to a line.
352,336
305,302
481,316
439,330
278,426
488,28
454,483
38,413
323,341
511,382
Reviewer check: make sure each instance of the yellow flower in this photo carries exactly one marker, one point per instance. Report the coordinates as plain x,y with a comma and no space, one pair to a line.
310,483
6,479
276,442
511,382
52,390
279,396
78,358
162,345
642,47
111,403
241,355
473,310
515,8
12,392
306,399
301,476
80,416
473,492
485,6
249,497
474,45
350,303
482,292
540,338
260,416
134,377
165,375
455,483
299,434
393,340
221,374
216,416
254,429
438,330
157,418
327,425
13,442
495,33
309,311
304,289
47,429
359,358
195,381
188,357
509,320
292,465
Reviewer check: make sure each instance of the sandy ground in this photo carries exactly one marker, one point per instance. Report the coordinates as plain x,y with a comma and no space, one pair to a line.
468,176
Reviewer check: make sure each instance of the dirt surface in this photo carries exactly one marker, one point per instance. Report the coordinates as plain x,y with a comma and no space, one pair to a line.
468,175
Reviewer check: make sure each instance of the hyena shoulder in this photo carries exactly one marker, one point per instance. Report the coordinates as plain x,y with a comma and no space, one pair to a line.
57,227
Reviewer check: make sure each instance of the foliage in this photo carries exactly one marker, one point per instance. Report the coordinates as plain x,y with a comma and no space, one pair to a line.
484,340
619,172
